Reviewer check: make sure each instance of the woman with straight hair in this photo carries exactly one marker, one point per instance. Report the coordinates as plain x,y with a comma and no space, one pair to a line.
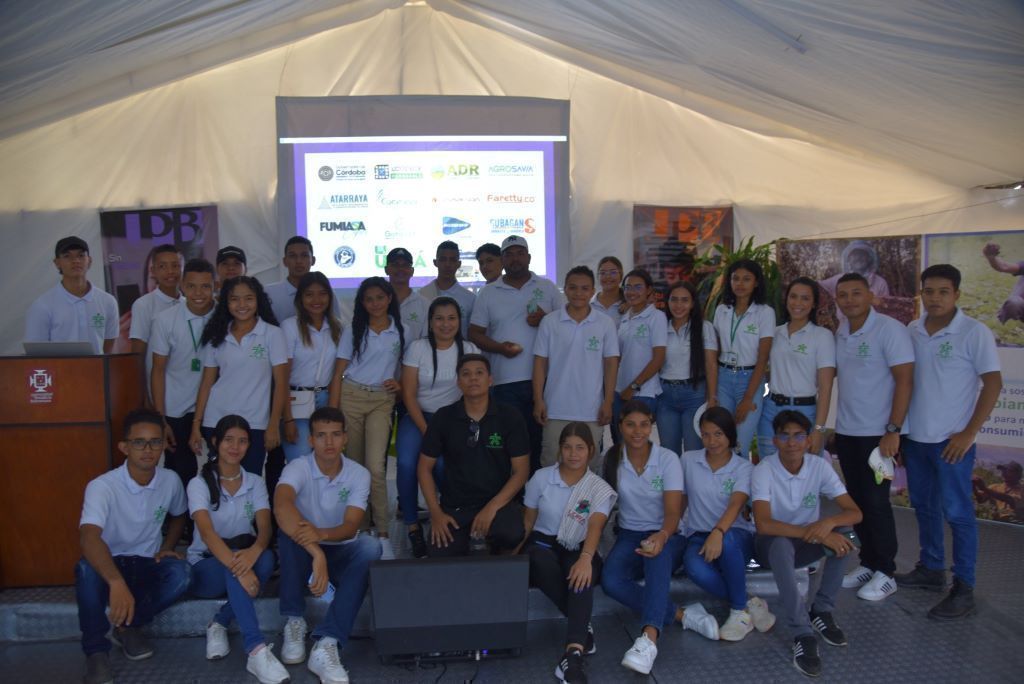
245,370
565,509
609,299
428,383
689,377
229,504
364,386
745,325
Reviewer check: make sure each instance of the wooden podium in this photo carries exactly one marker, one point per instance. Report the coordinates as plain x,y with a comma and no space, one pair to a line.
60,422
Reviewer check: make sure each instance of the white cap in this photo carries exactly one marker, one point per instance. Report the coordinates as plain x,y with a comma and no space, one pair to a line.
514,241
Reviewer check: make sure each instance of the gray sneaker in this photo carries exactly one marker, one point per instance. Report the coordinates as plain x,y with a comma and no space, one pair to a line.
134,644
97,669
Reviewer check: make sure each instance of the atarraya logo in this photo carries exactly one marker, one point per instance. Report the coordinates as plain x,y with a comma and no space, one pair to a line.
326,226
397,172
510,170
354,201
451,225
385,200
39,383
512,224
351,172
325,173
511,198
344,256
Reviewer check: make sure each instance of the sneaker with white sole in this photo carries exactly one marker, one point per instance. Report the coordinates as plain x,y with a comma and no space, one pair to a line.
325,663
640,657
805,655
696,618
216,641
590,648
857,577
570,668
293,650
762,618
387,549
264,666
738,626
878,587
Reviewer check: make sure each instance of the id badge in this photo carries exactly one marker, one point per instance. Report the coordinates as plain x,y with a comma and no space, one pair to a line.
729,358
196,366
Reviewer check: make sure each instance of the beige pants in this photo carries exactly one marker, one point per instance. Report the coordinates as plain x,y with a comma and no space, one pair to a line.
368,423
549,442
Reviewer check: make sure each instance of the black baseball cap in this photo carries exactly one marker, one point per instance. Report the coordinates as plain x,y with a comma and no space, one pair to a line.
399,253
230,252
71,242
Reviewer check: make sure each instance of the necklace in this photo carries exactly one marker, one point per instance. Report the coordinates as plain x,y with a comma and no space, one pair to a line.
232,478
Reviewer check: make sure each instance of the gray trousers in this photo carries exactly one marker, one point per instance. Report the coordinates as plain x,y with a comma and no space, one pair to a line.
784,555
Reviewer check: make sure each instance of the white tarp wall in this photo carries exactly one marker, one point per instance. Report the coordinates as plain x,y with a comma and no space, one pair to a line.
210,138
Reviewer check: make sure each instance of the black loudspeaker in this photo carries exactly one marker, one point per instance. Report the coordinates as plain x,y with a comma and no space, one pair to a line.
437,607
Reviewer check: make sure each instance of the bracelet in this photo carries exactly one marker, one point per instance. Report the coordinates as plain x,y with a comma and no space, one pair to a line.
586,553
716,527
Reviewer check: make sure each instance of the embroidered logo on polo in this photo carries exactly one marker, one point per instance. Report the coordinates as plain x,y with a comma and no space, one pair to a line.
946,350
258,352
396,348
250,510
863,350
343,495
158,514
751,328
98,320
641,331
414,317
495,440
728,484
593,344
658,483
809,501
801,348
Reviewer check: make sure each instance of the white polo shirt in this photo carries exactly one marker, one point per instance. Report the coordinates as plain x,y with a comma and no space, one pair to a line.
677,350
145,309
707,493
548,494
795,499
739,337
433,392
378,357
575,354
639,334
797,358
176,335
59,316
235,515
641,505
282,300
502,310
306,360
131,515
322,501
246,370
464,297
947,370
864,381
611,312
414,317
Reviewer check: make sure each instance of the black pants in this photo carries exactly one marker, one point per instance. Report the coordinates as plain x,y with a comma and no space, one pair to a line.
505,534
877,531
550,563
181,459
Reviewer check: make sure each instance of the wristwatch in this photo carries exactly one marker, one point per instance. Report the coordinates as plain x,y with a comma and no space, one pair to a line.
821,428
635,386
893,428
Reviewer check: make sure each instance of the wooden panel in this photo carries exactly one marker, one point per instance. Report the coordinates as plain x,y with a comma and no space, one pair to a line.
44,477
65,390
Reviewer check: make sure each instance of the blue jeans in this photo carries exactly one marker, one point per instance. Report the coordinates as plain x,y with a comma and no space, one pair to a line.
211,579
677,407
617,403
765,446
301,446
732,385
624,568
520,395
155,586
942,491
726,576
407,448
348,567
255,455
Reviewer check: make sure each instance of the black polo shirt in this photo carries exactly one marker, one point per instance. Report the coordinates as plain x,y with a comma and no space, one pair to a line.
473,475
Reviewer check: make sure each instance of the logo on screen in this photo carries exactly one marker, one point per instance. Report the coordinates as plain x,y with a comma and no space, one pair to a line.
397,172
344,256
344,173
510,170
385,200
512,224
511,198
461,171
344,202
381,172
455,199
451,225
326,173
342,225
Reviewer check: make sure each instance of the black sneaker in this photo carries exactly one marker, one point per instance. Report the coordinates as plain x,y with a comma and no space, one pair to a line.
417,543
959,603
97,669
590,648
133,643
570,668
922,578
805,655
827,627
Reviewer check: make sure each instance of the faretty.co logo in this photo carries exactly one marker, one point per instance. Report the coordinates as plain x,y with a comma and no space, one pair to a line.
451,225
511,198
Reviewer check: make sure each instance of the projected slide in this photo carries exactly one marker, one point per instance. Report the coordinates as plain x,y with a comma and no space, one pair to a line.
358,199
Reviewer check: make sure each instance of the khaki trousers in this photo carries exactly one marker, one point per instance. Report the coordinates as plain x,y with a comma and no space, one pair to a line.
368,424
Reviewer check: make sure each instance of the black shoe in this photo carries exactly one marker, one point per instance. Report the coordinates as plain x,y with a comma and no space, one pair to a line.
418,543
590,648
805,655
922,578
959,603
97,669
131,641
827,627
570,668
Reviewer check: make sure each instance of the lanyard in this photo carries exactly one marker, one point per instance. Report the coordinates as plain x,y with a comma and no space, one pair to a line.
195,344
734,326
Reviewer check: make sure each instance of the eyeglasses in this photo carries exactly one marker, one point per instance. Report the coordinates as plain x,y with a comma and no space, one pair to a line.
635,287
797,438
143,444
474,434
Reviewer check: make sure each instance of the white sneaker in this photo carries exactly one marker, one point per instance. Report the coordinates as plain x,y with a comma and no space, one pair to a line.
325,663
216,641
293,651
387,549
879,586
736,627
264,666
762,618
640,657
857,577
700,621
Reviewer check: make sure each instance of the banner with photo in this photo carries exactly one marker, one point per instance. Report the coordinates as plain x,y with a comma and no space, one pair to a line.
129,238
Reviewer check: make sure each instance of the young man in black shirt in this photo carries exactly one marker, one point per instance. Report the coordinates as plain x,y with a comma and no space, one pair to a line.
486,451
